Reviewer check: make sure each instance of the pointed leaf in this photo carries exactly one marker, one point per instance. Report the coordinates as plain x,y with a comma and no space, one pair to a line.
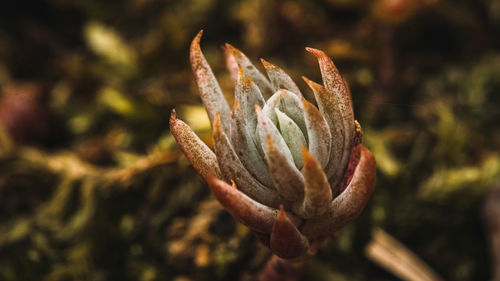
329,109
231,64
286,240
338,89
318,133
197,152
349,204
279,78
317,191
334,83
248,94
251,71
209,89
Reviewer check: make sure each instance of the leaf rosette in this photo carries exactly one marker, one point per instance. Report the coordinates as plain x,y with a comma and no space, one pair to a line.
298,172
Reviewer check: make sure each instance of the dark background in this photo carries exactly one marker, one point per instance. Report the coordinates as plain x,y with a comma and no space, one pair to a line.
93,187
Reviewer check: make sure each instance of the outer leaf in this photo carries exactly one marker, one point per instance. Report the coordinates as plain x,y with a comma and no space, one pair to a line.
232,169
209,89
319,134
243,208
196,151
349,204
334,83
279,78
337,87
353,159
251,71
328,106
286,240
231,64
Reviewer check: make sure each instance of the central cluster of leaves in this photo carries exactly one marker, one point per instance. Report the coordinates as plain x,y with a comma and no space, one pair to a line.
294,152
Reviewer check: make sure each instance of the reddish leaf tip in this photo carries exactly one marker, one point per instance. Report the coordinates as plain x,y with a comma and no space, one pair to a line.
286,241
270,142
241,72
248,82
307,80
234,50
306,155
313,85
304,101
265,63
196,40
316,52
282,214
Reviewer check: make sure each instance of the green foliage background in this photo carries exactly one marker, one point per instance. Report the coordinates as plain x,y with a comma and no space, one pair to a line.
93,187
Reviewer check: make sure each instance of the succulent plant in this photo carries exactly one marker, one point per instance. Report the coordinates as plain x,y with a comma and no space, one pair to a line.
298,172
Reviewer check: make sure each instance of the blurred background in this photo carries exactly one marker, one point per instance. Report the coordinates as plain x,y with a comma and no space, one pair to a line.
93,186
